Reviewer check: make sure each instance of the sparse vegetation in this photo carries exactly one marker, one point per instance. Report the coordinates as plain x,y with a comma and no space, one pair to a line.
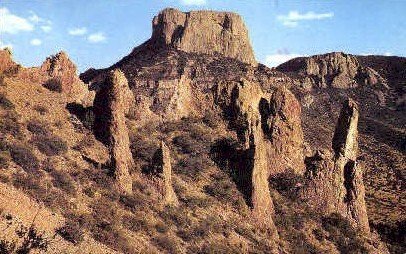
54,84
24,157
50,144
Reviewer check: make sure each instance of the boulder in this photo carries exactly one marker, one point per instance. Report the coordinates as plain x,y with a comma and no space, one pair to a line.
206,32
111,105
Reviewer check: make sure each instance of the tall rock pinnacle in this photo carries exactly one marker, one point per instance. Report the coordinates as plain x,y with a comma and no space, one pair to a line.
336,184
110,107
205,32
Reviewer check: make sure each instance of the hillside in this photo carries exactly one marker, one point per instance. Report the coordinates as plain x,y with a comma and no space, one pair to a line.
188,145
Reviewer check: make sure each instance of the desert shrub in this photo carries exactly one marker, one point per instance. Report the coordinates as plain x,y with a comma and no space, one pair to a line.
343,234
24,157
189,145
211,119
54,84
138,223
5,103
191,166
225,190
175,216
161,227
6,246
63,181
50,145
134,202
71,231
168,243
41,109
219,247
4,159
32,240
142,148
9,124
37,127
286,183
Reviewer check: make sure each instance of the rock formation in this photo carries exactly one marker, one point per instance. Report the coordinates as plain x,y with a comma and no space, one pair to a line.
111,105
205,32
269,129
169,196
336,184
63,78
335,69
6,62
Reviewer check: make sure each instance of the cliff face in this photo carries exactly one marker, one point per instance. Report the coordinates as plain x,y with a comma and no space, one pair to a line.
205,32
336,70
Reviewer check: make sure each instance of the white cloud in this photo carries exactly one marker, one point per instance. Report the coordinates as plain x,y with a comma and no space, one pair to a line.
193,2
46,28
279,58
293,17
35,18
96,37
12,24
78,31
387,54
35,42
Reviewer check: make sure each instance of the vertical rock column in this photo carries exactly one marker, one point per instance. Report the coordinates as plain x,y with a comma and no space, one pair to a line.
169,195
111,104
345,146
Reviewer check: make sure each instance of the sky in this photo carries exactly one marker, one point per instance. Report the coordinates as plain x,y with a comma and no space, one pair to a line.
98,33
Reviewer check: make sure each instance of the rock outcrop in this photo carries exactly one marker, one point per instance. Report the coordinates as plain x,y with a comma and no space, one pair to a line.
111,105
169,196
335,180
6,61
63,78
335,69
206,32
269,128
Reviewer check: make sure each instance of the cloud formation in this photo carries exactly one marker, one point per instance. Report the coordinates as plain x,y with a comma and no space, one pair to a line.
78,31
280,57
35,42
193,2
96,37
293,18
12,24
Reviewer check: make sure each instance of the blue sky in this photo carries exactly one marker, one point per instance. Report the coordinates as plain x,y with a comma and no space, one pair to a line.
97,33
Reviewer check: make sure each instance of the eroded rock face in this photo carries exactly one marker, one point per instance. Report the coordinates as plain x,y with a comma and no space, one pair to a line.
335,69
62,77
336,184
169,196
269,128
111,104
205,32
6,62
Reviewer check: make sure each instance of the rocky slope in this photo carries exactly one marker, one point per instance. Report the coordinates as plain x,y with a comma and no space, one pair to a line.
187,145
381,123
